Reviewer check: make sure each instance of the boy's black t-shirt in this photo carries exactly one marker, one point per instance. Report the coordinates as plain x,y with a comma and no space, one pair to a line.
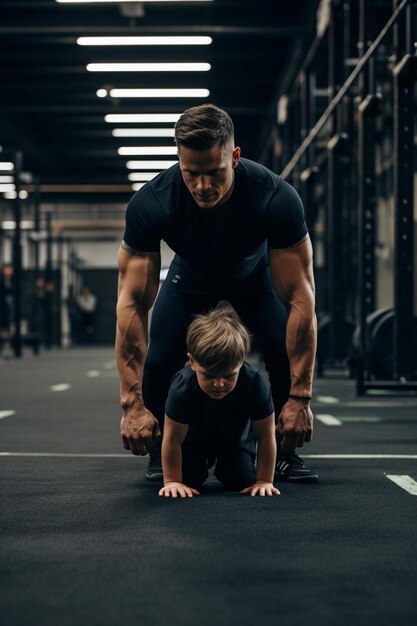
219,421
229,241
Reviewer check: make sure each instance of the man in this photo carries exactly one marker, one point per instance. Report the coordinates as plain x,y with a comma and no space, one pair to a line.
239,234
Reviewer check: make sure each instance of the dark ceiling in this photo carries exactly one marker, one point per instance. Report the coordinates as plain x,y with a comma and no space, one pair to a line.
48,103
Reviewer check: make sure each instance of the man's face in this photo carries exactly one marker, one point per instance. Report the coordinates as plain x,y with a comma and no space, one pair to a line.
216,385
209,174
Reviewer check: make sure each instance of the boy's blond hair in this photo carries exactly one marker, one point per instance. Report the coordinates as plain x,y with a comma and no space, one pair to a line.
218,341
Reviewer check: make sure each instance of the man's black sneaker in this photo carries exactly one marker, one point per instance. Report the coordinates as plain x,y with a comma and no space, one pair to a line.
154,471
290,468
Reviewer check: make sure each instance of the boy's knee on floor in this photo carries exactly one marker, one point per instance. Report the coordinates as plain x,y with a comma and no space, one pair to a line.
235,481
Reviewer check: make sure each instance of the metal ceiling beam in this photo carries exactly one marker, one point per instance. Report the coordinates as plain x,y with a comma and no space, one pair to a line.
207,29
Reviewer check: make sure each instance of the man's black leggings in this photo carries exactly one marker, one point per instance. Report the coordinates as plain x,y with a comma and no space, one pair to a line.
181,298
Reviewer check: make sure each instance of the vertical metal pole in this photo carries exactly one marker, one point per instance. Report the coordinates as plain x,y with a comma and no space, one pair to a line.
335,260
49,285
367,229
60,262
37,225
336,62
17,257
404,82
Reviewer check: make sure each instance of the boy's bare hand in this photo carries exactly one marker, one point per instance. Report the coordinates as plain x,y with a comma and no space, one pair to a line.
173,490
261,488
138,429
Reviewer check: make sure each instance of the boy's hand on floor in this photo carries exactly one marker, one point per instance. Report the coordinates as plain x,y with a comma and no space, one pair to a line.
261,488
173,490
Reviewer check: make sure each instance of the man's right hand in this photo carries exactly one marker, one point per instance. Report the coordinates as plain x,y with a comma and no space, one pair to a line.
139,428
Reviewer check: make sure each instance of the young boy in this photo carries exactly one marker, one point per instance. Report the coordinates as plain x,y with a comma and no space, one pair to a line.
218,407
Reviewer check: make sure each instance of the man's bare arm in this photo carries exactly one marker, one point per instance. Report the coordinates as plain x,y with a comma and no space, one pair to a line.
138,286
293,280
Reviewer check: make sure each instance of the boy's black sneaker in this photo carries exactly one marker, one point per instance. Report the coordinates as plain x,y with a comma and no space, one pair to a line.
290,468
154,471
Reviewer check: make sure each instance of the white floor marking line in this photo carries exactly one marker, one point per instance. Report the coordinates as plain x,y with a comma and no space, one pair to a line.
359,456
75,455
66,454
4,414
93,374
327,400
383,403
328,420
60,387
405,482
351,418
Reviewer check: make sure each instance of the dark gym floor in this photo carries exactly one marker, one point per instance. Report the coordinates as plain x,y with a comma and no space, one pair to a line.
87,540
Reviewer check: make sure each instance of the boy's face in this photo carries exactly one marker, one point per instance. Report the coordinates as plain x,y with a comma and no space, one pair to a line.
216,385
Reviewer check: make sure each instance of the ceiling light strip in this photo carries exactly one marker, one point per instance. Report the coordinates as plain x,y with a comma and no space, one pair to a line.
150,165
141,177
148,67
147,150
120,1
146,41
139,118
143,132
159,93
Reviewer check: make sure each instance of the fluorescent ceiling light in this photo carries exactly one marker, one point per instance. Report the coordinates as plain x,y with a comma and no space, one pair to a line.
142,176
117,118
148,67
6,179
101,93
143,132
24,224
6,166
12,195
145,41
150,165
147,151
115,1
5,187
137,186
159,93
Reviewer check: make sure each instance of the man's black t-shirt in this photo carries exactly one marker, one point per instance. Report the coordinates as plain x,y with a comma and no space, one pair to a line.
225,421
228,241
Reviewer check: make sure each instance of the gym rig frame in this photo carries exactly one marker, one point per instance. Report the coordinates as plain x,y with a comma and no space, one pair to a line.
342,156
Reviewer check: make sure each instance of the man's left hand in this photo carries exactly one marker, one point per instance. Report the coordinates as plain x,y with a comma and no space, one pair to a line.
295,424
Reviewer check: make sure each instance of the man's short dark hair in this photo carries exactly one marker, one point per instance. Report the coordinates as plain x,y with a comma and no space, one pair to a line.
203,127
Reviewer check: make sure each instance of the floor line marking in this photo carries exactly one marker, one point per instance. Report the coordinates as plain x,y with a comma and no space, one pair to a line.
405,482
359,456
328,420
93,374
60,387
352,418
130,456
73,455
381,404
327,400
6,413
